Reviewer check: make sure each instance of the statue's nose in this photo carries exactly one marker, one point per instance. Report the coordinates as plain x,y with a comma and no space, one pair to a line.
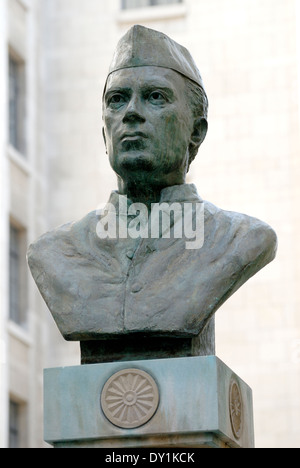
134,112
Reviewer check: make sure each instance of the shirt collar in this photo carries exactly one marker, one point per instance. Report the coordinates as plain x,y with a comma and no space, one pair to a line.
180,193
176,193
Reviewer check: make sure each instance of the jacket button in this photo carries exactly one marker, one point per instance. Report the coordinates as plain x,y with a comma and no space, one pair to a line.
130,254
136,287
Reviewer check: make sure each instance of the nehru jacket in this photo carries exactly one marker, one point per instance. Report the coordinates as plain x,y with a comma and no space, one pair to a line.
102,288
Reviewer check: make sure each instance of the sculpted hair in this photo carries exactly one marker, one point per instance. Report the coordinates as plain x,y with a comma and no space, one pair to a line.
199,102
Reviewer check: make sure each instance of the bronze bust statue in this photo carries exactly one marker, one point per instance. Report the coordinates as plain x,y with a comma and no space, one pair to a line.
148,296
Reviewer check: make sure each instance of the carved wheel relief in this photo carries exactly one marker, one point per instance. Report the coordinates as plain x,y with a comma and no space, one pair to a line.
236,408
129,398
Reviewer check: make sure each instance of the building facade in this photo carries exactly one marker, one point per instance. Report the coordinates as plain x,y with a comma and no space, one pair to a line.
22,216
54,57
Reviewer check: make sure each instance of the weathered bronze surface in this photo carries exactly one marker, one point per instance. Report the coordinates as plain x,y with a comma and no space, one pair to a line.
154,295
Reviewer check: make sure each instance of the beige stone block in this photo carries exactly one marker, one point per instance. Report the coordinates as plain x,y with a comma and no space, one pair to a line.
19,370
17,31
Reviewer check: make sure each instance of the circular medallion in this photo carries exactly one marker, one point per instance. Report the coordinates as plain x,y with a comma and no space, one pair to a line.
129,398
236,408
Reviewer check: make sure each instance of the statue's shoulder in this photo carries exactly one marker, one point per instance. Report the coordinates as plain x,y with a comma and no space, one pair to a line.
248,237
63,241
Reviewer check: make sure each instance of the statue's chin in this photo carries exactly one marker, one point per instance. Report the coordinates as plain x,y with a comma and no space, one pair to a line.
135,161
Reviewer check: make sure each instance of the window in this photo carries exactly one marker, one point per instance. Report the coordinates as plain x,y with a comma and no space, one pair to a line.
17,276
16,104
14,275
17,424
128,4
14,425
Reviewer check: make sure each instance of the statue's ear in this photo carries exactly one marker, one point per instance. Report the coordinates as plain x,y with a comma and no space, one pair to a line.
199,131
197,137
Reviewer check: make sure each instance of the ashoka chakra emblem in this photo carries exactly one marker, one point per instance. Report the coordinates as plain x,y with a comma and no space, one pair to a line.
129,398
236,409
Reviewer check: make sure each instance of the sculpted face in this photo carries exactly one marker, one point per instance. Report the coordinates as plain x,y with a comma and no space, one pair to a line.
148,124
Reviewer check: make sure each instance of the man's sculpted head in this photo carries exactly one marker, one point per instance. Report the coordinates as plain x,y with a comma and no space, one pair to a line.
154,111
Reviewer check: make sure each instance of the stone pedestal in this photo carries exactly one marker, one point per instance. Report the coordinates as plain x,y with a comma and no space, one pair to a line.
182,402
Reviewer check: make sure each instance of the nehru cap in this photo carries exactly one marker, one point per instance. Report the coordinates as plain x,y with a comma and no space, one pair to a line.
141,47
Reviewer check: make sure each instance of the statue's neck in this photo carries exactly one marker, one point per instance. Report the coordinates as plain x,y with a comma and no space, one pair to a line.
142,191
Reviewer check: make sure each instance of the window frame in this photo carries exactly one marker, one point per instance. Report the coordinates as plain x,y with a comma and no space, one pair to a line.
18,303
150,4
14,424
16,102
17,422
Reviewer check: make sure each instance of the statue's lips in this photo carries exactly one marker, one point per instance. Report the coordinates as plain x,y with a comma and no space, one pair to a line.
133,136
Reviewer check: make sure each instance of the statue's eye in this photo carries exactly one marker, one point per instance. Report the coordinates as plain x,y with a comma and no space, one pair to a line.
116,100
157,97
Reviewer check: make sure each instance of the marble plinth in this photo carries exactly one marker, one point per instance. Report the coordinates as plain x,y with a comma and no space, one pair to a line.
180,402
